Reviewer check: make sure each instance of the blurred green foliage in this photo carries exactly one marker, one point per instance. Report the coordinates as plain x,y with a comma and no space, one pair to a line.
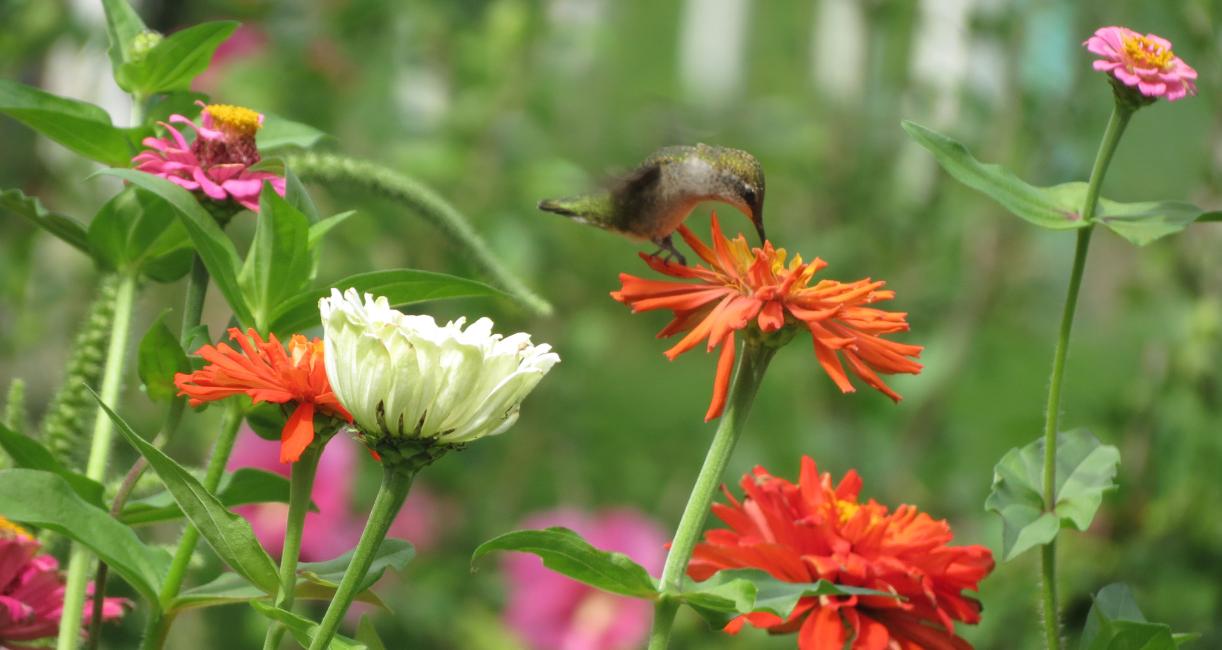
499,103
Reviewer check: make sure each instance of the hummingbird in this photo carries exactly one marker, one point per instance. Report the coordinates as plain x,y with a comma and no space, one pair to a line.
649,202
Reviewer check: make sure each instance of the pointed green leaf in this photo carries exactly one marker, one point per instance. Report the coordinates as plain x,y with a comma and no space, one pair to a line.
564,551
320,229
161,357
228,534
1142,223
174,62
1047,207
295,193
400,286
1115,622
29,453
1085,470
729,594
303,629
136,232
279,263
242,487
66,228
279,133
214,248
46,500
392,554
123,25
79,126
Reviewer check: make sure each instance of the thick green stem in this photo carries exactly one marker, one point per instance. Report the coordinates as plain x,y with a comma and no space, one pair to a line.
99,455
301,484
755,358
396,481
192,314
1111,137
157,626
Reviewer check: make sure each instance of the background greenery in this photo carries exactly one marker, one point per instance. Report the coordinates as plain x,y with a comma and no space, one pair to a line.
500,103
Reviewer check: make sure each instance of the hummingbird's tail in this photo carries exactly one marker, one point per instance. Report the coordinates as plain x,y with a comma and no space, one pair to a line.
566,207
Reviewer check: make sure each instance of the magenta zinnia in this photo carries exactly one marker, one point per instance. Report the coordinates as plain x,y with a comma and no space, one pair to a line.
1145,63
217,162
32,592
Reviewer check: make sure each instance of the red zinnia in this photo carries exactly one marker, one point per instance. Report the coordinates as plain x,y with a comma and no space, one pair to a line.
266,373
813,530
745,284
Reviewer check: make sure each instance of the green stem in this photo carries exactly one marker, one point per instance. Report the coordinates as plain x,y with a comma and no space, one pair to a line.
157,626
99,455
301,484
1107,148
352,172
396,481
755,358
192,314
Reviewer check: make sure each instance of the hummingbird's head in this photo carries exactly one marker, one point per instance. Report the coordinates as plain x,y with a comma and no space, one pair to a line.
743,178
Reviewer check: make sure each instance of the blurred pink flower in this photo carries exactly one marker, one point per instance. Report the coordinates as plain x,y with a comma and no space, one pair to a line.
336,527
1145,62
217,162
32,593
246,42
552,612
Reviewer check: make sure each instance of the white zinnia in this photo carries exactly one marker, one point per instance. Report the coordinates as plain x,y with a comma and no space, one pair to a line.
403,376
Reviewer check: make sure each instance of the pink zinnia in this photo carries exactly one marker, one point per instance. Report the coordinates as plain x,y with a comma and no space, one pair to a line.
552,612
32,593
1144,62
217,163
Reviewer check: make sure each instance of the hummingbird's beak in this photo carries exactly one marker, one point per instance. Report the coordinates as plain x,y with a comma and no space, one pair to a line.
759,228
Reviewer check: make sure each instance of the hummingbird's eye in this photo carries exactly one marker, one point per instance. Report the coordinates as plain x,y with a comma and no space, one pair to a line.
749,196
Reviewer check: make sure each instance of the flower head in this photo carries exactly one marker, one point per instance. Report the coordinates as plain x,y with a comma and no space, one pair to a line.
745,287
815,530
1145,63
552,612
266,373
216,163
409,382
31,591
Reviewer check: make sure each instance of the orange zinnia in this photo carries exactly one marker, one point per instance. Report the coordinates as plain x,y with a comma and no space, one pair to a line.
816,531
745,284
266,373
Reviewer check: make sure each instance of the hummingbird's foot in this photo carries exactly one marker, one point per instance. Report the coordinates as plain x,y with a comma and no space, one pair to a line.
667,251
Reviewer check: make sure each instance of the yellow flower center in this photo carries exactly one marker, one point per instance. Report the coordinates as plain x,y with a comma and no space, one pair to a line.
9,530
234,119
846,509
1146,53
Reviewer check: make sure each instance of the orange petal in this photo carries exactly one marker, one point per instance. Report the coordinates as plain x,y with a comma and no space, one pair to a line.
298,433
721,384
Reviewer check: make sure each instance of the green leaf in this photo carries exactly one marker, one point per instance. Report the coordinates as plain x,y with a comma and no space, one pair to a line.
1085,470
1047,207
400,286
278,264
66,228
278,133
46,500
303,629
729,594
368,634
228,534
296,194
161,357
244,486
392,554
214,248
565,552
136,232
1142,223
123,24
174,62
29,453
1115,622
79,126
320,229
